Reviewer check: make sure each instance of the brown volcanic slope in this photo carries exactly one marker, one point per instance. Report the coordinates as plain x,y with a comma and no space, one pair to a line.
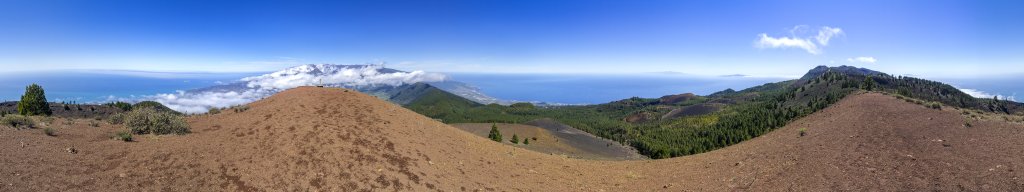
331,140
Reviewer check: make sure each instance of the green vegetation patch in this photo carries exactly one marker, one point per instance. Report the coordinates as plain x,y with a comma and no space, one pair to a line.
17,121
33,102
150,121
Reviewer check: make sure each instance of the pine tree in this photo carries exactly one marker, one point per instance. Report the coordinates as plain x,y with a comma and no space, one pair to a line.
515,139
494,135
34,101
869,83
525,141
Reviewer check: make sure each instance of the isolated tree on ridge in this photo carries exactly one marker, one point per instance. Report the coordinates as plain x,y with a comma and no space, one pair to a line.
34,101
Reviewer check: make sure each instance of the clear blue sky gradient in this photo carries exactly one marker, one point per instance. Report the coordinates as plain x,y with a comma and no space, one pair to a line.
925,38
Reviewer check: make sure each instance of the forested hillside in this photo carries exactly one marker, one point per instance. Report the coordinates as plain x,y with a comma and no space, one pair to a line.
654,127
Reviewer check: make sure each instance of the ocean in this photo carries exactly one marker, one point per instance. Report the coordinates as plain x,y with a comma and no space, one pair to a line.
594,89
93,87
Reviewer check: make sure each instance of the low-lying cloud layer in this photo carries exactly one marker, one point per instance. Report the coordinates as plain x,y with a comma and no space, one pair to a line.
338,75
981,94
257,87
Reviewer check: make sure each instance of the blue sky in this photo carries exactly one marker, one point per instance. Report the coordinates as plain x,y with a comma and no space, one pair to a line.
763,38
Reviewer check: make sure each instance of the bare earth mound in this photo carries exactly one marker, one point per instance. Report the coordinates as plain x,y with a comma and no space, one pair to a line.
335,140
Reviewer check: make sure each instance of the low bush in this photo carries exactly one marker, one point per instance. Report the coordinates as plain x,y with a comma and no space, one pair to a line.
123,136
934,105
803,132
147,120
49,132
240,108
17,121
45,119
213,111
94,123
117,119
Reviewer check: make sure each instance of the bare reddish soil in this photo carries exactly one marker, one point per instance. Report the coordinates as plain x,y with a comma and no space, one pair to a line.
570,143
326,139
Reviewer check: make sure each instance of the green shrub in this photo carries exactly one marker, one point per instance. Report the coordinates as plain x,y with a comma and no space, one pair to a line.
213,111
117,119
494,135
146,120
46,119
17,121
154,105
240,108
934,105
49,132
120,105
526,141
803,132
33,102
515,139
123,136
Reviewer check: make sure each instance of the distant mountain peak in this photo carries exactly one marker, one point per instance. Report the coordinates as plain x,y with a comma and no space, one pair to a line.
845,69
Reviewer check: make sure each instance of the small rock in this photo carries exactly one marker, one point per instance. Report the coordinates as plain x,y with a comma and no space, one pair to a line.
122,175
71,150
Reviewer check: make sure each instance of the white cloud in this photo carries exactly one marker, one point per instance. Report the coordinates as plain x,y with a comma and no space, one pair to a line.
871,60
800,39
784,42
261,86
981,94
203,101
826,33
333,75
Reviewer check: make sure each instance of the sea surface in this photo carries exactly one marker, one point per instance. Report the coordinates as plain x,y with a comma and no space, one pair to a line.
93,87
594,89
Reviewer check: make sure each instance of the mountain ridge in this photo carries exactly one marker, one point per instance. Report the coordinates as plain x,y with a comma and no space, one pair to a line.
660,128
